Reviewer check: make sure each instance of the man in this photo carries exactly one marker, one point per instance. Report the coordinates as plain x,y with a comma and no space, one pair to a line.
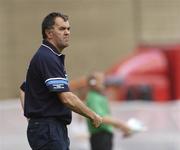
48,100
102,138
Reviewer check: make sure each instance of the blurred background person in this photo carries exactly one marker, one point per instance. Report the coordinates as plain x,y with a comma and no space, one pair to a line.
102,138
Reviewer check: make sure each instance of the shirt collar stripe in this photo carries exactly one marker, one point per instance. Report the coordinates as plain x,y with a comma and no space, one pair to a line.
51,49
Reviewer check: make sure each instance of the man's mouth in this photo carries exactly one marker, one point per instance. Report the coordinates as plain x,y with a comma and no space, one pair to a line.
66,39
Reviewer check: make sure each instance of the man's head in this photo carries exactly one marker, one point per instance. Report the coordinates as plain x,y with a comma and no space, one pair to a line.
96,81
56,29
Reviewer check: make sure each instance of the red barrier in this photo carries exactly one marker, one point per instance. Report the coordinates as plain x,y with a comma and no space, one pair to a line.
144,74
173,56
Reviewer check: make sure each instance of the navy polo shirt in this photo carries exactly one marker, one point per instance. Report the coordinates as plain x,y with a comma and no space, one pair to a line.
46,76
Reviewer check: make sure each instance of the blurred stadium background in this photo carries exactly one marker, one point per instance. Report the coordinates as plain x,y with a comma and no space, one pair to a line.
102,33
102,30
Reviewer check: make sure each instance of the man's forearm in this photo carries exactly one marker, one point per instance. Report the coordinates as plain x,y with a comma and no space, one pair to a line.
76,105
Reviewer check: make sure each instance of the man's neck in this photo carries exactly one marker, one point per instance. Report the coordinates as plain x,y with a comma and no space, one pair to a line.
58,49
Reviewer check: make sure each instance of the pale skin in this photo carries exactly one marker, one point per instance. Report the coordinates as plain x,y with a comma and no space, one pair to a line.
21,96
118,124
58,35
99,87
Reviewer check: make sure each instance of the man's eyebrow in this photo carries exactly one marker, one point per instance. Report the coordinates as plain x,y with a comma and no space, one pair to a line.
64,27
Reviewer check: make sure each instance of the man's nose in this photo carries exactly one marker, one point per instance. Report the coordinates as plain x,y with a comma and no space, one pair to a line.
67,31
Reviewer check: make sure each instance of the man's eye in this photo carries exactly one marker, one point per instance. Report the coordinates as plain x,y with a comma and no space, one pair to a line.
64,29
61,29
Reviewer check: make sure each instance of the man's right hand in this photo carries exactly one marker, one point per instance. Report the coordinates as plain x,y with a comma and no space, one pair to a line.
96,121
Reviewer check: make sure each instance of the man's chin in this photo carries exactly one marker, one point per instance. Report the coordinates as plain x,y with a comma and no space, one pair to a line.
65,45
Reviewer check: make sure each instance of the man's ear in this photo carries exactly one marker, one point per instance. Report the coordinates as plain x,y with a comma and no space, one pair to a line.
49,33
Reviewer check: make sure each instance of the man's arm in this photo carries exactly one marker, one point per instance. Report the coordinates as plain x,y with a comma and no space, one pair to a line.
117,124
75,104
21,96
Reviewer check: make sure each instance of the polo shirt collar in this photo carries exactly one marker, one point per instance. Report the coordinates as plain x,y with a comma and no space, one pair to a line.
51,47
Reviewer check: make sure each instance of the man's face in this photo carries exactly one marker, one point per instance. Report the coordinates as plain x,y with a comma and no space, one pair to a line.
60,33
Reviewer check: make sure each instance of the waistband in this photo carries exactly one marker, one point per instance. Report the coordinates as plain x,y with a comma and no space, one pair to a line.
46,119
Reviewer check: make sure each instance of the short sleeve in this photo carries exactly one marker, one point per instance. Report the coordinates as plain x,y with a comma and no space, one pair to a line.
54,74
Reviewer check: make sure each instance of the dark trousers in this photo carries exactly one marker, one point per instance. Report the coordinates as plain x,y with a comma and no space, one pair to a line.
101,141
47,134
